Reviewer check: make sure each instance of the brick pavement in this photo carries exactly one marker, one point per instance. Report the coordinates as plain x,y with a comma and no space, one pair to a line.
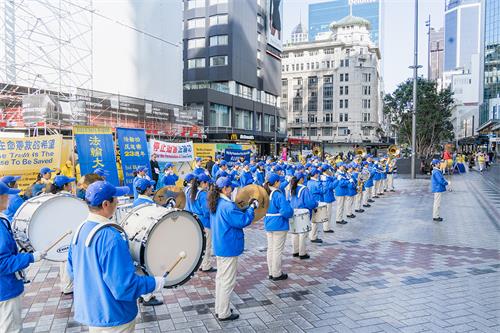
391,270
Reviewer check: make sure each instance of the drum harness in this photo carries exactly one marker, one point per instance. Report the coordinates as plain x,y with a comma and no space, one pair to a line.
270,199
94,230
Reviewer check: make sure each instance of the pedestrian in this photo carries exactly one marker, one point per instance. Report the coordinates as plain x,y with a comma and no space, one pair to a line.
438,186
155,168
210,164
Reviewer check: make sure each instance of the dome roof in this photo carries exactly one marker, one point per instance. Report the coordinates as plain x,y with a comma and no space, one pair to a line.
298,29
350,20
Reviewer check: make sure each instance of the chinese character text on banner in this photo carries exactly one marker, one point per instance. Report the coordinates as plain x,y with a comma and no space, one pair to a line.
171,151
133,152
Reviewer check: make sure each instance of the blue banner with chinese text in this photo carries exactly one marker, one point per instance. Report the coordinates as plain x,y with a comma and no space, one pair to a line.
234,155
133,152
96,149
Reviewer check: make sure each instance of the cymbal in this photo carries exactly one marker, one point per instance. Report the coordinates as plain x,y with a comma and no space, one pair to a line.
253,192
162,195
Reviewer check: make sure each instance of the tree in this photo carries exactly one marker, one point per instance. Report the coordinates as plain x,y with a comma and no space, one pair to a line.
433,115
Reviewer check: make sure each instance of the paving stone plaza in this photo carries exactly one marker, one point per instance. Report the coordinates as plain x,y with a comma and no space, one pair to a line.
391,269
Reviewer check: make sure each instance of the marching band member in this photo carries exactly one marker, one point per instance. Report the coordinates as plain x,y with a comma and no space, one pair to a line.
84,183
328,196
300,197
438,186
198,168
316,189
358,199
62,185
376,178
12,264
196,203
144,188
216,167
367,186
106,287
276,226
141,173
101,173
188,182
227,222
391,170
222,170
246,177
15,200
342,183
169,176
383,169
351,190
41,182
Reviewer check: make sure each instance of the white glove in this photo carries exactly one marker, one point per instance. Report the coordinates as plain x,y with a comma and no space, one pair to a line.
170,203
351,180
37,256
254,204
159,283
323,178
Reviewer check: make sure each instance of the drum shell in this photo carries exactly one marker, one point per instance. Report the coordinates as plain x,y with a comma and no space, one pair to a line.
122,211
140,225
300,222
27,223
320,214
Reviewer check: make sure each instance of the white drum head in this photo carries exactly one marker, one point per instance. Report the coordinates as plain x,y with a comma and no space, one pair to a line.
178,231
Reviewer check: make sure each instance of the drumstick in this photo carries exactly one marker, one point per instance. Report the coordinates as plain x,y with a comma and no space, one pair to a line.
182,255
69,232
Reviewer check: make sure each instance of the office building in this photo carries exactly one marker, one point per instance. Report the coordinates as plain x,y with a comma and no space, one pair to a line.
436,53
298,35
490,108
232,69
331,88
323,13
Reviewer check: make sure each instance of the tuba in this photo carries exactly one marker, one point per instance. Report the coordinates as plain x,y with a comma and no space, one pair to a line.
393,150
360,151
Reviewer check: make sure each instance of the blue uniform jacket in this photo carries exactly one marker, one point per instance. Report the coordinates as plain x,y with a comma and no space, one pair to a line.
227,225
328,188
377,175
352,188
106,287
260,177
246,178
278,213
215,169
10,262
199,207
142,200
316,189
15,201
369,182
342,185
199,170
221,173
170,179
438,183
303,199
134,185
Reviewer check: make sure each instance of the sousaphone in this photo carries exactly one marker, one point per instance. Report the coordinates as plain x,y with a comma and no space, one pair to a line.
162,195
253,192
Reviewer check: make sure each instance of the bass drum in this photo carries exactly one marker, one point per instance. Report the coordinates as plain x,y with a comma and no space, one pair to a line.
43,219
158,235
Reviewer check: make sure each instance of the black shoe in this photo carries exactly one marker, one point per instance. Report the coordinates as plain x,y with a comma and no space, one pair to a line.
351,216
270,277
385,190
295,254
329,232
370,200
217,315
367,205
233,316
283,276
305,256
357,210
67,293
393,190
361,211
341,222
152,302
211,270
317,241
439,219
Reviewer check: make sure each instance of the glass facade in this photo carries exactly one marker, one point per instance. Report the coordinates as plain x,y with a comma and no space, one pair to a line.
491,61
324,13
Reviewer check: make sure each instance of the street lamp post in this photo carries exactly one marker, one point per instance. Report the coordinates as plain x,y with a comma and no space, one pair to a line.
414,113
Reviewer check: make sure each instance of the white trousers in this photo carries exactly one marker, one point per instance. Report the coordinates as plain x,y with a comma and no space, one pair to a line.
437,205
340,208
125,328
328,225
313,234
390,181
225,280
358,199
299,243
365,196
275,245
66,282
206,264
349,201
10,315
378,187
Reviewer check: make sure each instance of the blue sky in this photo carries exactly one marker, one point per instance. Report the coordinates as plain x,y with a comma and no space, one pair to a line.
397,33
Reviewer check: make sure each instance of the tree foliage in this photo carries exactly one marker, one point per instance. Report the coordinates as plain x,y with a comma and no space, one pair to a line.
433,115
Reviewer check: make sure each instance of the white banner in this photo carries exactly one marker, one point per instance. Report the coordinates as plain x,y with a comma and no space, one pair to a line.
171,151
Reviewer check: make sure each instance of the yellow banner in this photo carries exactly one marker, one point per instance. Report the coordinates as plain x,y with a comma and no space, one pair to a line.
204,150
26,156
92,130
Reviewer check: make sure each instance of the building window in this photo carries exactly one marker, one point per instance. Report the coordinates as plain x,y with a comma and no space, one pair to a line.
367,77
327,131
346,77
196,23
343,131
217,2
327,91
329,51
218,61
312,132
258,122
268,123
220,115
366,131
341,104
313,80
297,132
218,19
341,90
341,78
218,40
343,117
366,103
328,117
297,104
366,117
366,90
196,63
244,119
299,54
327,105
270,99
196,43
346,90
311,118
313,53
191,4
346,103
243,91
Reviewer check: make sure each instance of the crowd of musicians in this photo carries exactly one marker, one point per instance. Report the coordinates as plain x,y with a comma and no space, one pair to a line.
101,272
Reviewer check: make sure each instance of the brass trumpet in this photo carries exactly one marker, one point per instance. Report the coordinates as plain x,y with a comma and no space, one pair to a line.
393,150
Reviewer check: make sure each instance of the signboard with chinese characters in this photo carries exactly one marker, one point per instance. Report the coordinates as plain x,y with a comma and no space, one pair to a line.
26,156
172,151
133,152
96,149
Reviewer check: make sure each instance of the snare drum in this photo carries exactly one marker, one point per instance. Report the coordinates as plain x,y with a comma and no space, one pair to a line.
320,214
43,219
156,237
300,222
